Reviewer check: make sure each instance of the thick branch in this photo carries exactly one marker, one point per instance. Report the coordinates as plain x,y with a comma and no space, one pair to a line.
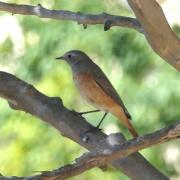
158,32
103,18
96,159
70,124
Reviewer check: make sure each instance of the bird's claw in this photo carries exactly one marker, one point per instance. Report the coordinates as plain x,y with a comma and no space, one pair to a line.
93,129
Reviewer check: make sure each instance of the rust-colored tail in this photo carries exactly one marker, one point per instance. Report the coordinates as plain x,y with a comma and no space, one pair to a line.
119,113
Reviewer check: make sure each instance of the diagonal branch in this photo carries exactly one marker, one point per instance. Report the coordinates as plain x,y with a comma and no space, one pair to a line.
81,18
158,32
96,159
71,125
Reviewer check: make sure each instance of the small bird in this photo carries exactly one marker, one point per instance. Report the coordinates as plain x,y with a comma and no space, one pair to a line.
95,87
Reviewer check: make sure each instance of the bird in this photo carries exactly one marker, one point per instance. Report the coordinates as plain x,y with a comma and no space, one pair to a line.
96,88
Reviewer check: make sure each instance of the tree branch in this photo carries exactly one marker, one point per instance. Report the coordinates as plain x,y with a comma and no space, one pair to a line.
81,18
158,32
162,39
23,96
96,159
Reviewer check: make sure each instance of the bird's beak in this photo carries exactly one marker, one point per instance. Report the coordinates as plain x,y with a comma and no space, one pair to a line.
61,57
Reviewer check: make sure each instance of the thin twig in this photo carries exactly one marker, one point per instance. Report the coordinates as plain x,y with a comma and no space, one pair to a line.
81,18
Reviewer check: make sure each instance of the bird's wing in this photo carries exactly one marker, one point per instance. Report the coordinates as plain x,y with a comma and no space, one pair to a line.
108,88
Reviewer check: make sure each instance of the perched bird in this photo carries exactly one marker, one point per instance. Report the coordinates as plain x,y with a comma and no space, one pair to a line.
95,87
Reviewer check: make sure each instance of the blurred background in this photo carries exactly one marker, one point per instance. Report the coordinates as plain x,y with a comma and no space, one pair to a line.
148,85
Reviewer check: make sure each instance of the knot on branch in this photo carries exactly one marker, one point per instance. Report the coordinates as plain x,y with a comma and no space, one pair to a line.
105,15
13,105
85,26
177,60
56,101
27,89
39,5
174,132
107,24
78,19
38,9
115,139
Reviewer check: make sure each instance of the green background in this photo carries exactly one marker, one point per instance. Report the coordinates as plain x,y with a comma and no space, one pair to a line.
148,86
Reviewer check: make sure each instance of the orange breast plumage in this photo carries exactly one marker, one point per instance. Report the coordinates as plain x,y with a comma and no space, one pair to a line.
92,92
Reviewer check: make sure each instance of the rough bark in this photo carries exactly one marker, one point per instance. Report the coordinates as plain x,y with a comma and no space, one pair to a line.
23,96
154,24
107,20
157,30
51,110
95,159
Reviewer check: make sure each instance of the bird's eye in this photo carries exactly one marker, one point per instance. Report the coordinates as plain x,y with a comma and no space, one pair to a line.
69,56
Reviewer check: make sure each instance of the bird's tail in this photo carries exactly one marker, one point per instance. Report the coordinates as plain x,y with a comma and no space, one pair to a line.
119,113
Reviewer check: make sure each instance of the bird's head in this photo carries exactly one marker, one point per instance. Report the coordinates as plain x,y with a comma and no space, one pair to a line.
74,57
78,61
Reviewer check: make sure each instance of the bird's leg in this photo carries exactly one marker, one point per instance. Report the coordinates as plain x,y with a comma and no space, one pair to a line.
105,114
92,129
87,112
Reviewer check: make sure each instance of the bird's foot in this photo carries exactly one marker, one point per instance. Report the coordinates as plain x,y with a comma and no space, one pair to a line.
75,112
93,129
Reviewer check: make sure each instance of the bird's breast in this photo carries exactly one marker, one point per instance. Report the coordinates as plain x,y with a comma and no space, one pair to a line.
92,92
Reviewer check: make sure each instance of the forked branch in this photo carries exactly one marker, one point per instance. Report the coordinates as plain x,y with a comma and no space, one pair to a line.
73,126
154,24
96,159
